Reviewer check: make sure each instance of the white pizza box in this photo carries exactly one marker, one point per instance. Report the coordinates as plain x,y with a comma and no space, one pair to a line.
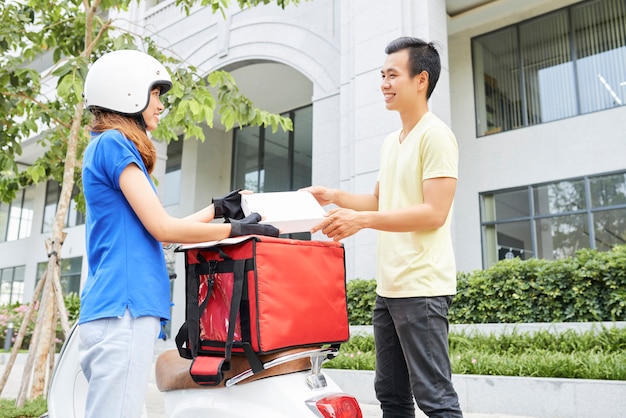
290,212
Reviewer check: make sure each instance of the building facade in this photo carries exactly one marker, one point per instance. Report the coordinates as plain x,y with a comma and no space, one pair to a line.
533,90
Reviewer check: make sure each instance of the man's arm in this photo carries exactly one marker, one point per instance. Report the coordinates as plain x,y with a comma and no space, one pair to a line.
438,196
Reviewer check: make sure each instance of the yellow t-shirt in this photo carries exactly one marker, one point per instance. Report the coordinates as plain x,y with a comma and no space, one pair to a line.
417,263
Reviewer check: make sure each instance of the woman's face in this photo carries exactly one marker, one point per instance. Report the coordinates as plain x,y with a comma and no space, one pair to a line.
153,111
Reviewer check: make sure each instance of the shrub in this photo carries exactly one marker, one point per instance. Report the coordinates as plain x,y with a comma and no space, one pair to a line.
14,313
31,409
596,354
589,287
361,295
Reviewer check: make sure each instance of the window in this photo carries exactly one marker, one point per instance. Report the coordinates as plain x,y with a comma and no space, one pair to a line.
566,63
11,285
70,274
16,218
171,181
266,161
554,220
53,194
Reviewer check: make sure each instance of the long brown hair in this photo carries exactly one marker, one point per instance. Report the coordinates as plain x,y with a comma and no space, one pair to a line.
104,121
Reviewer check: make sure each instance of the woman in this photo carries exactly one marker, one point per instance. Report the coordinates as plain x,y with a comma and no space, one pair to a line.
126,294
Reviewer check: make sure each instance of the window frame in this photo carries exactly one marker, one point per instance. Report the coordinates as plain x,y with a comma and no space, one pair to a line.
533,218
481,110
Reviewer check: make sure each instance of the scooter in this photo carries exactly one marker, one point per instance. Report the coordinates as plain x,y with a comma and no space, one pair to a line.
291,385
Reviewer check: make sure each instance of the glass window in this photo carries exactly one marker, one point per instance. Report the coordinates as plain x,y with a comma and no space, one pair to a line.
608,190
548,69
496,84
508,204
5,209
600,45
561,236
276,161
562,197
564,216
11,285
171,181
509,240
559,65
17,218
302,148
53,194
609,228
247,171
266,161
71,269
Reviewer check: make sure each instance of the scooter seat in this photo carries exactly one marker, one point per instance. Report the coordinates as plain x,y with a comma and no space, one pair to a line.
172,370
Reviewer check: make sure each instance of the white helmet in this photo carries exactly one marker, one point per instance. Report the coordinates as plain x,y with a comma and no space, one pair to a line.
121,81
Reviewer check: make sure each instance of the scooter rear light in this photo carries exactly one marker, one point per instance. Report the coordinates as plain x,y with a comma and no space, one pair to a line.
339,405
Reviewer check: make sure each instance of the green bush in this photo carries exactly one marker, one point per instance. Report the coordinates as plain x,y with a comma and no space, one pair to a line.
589,287
14,313
361,295
588,355
31,409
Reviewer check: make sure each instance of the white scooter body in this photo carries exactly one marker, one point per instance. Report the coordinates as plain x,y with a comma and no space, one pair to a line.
68,388
282,396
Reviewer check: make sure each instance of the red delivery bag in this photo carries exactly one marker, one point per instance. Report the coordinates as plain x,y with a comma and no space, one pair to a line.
259,295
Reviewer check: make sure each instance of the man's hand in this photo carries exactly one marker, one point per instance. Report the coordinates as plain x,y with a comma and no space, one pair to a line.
323,195
340,223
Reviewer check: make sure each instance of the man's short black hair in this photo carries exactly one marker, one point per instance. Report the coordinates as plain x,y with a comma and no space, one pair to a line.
423,56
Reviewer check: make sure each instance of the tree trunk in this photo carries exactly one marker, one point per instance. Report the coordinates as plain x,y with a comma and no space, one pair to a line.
22,332
52,301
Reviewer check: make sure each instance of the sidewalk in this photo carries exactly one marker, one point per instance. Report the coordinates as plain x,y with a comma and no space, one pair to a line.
154,399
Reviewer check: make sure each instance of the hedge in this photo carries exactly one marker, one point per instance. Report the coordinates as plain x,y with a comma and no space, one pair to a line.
589,287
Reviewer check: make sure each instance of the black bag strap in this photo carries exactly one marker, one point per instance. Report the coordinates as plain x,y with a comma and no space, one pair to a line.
189,332
235,302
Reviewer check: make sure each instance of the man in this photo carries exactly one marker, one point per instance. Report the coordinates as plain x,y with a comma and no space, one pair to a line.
411,208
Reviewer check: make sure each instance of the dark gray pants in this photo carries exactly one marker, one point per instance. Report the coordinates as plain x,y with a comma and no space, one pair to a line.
411,336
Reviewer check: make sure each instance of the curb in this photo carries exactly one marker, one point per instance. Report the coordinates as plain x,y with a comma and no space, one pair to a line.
511,395
527,396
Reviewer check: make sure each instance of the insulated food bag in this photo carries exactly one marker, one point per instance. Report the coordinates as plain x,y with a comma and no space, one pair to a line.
259,295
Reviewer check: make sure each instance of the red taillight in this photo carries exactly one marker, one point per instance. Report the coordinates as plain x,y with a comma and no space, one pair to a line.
339,405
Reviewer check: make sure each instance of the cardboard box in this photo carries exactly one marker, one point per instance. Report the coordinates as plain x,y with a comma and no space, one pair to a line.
290,212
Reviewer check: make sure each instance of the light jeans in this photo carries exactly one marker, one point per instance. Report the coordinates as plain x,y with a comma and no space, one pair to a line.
116,355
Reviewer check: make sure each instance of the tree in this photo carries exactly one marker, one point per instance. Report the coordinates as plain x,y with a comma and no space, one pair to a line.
47,104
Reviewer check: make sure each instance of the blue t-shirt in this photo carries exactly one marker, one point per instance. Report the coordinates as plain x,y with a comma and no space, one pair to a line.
126,264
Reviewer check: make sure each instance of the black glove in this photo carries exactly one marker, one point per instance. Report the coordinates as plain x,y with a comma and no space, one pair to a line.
250,226
228,206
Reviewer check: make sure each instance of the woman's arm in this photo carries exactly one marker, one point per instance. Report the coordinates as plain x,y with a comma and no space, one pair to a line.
158,222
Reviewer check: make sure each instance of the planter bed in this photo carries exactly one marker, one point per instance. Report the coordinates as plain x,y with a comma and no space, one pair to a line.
524,396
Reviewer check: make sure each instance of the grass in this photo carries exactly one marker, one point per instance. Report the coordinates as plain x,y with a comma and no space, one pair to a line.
570,354
31,409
